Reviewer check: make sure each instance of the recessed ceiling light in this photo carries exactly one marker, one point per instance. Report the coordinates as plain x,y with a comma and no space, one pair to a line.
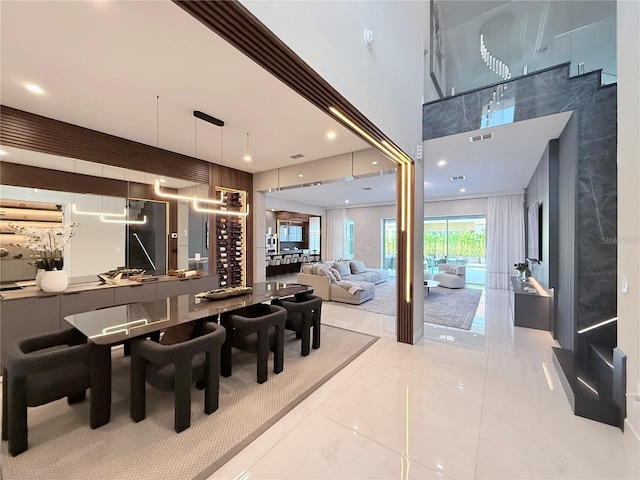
273,209
300,175
2,152
331,135
463,190
162,180
346,201
33,88
374,162
442,163
247,158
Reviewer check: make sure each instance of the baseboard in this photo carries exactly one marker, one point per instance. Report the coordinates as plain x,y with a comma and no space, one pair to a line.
634,436
418,334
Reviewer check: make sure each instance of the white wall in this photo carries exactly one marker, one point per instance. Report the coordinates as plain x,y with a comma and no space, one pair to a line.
385,82
629,199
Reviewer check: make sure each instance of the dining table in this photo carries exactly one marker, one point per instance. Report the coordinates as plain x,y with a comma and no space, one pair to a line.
116,325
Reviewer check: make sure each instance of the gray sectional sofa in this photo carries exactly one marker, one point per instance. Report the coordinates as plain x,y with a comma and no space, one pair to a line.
354,283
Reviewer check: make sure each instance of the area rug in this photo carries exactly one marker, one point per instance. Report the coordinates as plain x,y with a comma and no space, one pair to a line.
442,306
61,444
453,307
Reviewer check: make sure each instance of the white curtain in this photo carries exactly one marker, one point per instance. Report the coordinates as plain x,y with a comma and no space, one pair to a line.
335,234
505,238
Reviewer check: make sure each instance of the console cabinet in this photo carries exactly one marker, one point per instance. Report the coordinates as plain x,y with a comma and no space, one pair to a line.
530,310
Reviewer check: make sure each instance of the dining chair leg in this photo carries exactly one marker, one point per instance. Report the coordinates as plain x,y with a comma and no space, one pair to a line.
5,404
278,350
225,358
263,356
17,433
182,395
137,407
212,385
316,334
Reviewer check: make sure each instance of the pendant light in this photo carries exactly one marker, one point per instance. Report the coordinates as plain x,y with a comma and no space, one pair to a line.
247,155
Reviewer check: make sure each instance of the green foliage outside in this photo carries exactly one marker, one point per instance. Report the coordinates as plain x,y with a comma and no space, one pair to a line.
461,244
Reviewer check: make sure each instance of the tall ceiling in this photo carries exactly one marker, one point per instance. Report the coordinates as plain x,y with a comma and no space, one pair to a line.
139,69
103,65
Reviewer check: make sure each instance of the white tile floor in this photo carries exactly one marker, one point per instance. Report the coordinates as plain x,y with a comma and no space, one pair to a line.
456,405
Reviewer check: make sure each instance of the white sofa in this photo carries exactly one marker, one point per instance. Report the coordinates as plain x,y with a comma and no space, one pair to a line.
339,291
451,276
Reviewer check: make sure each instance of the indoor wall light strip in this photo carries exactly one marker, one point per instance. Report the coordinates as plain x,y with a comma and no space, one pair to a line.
399,153
220,212
158,191
394,156
74,209
409,270
598,325
106,219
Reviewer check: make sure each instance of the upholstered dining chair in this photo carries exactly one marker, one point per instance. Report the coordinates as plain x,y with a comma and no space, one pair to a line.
44,368
303,313
258,329
176,367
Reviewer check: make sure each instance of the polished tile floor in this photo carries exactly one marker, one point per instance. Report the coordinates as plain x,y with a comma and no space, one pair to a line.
459,404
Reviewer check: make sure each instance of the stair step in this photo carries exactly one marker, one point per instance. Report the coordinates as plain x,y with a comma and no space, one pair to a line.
584,390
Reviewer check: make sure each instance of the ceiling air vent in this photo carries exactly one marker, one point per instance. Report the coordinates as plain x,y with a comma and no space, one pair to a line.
367,188
459,177
296,156
477,138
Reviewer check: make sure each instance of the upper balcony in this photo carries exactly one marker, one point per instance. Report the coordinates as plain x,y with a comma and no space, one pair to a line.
480,43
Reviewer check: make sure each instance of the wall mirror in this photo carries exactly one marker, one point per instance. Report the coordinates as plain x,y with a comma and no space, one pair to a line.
134,230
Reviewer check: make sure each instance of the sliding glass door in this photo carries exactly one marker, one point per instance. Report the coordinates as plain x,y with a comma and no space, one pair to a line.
458,241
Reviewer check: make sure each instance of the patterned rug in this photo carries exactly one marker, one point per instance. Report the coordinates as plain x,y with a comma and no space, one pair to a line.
62,446
452,307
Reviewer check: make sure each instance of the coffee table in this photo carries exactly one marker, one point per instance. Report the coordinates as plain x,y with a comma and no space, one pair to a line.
431,283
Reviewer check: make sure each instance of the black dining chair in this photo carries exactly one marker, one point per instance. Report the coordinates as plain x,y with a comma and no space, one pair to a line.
45,368
176,367
303,313
257,329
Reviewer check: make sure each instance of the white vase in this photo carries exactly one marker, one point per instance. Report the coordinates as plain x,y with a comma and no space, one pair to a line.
39,276
54,281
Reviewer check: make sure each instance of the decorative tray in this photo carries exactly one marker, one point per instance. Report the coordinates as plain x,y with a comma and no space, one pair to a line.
222,293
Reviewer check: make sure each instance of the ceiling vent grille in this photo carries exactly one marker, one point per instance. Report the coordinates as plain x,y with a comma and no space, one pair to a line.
296,156
477,138
459,177
367,188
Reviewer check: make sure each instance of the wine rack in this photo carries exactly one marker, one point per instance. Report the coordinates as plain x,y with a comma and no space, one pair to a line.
230,240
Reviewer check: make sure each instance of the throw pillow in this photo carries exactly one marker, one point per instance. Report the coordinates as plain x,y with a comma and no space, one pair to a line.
343,268
331,276
336,274
307,269
452,270
357,266
321,272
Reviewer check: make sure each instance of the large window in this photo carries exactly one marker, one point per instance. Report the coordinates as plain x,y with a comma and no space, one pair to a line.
458,241
348,240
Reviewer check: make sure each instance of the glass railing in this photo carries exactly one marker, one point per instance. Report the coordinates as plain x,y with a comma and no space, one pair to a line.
471,48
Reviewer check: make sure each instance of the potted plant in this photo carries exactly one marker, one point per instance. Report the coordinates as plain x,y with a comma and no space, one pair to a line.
48,245
522,269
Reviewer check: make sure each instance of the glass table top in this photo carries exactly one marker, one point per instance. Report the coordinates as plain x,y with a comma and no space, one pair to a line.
113,325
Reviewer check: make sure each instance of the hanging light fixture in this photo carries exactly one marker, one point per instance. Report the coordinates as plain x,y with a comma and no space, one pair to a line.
247,155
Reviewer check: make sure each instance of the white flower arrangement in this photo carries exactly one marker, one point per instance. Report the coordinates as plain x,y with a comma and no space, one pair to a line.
46,243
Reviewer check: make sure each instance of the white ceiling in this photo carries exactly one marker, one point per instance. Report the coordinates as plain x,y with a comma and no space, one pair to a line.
101,65
499,166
